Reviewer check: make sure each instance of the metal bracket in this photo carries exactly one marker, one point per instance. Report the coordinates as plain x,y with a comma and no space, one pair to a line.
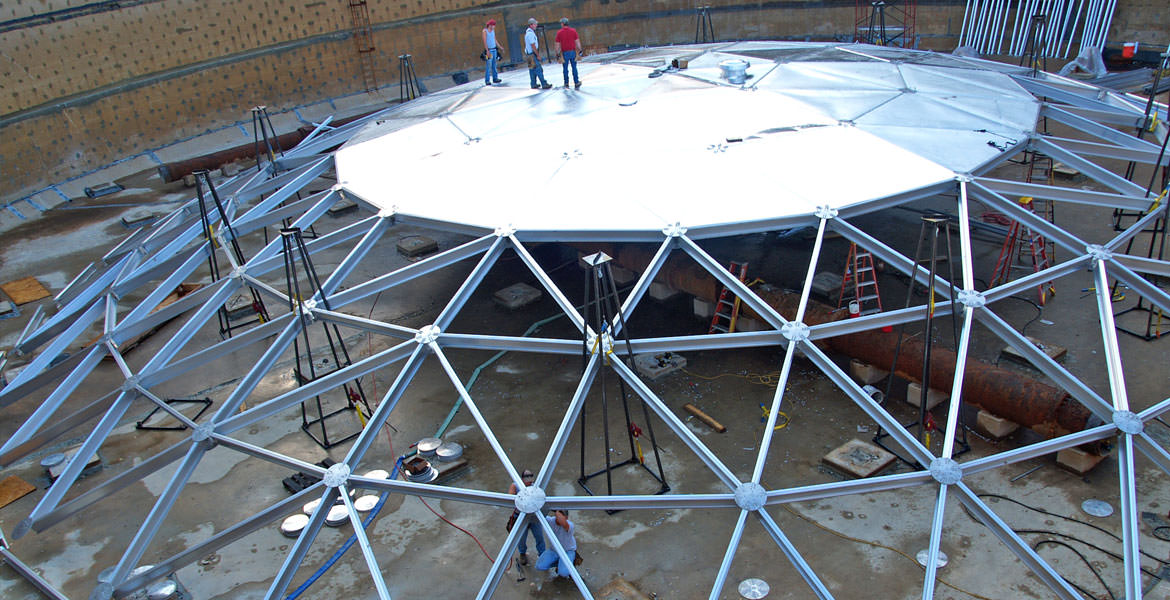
1128,422
1098,252
972,299
750,496
946,471
795,332
530,500
826,213
675,230
428,334
336,475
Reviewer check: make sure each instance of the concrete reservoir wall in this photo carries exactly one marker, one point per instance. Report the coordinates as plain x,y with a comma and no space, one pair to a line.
89,82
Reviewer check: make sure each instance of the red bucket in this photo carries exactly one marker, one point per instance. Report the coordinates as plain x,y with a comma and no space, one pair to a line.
1129,49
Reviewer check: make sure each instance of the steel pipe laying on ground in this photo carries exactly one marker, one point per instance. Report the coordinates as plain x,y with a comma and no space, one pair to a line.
174,171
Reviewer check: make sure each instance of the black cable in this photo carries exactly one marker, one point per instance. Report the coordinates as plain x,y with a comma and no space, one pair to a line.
1074,538
1051,514
1113,555
1088,564
1039,313
1080,522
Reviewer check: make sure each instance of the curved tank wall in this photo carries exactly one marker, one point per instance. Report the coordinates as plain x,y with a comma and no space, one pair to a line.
87,83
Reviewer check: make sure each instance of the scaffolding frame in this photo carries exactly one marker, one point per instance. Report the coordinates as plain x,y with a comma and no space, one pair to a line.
156,260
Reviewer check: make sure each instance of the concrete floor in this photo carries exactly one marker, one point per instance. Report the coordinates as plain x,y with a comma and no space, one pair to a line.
863,546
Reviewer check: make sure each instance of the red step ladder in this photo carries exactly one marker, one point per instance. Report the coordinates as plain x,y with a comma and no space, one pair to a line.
861,277
727,307
1023,248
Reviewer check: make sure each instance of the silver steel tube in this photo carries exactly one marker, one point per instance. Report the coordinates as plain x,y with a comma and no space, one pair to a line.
1130,524
728,556
936,524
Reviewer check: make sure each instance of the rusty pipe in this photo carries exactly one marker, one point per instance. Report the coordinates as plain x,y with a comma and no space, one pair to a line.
174,171
1048,410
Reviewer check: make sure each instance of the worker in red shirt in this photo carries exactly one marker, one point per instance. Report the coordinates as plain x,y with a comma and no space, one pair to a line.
568,45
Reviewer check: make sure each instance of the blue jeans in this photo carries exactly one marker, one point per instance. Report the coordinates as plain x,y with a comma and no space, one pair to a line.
489,70
549,560
537,535
570,58
536,72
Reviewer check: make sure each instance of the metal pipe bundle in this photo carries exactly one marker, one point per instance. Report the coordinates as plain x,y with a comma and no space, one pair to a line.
985,25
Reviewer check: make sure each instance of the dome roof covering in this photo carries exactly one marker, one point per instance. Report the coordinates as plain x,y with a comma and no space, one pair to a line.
642,146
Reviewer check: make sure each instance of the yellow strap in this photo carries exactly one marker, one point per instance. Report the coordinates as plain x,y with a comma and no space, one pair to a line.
1158,201
597,343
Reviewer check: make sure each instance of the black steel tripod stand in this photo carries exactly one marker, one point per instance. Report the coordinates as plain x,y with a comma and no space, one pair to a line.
602,310
355,396
933,228
202,181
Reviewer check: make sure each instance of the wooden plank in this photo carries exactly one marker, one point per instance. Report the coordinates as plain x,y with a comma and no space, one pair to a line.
14,488
23,291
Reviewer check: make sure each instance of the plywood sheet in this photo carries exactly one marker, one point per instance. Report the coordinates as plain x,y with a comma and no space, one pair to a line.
859,458
14,488
23,291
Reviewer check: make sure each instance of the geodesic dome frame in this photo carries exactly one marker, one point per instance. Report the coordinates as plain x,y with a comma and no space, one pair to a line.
162,256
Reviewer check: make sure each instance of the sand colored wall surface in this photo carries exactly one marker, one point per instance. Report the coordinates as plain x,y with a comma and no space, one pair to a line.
87,83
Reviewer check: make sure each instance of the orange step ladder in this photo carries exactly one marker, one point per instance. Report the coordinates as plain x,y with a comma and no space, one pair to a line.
727,307
860,275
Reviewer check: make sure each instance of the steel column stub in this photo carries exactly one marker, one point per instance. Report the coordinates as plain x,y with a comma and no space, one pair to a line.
1098,252
427,334
972,299
826,212
1127,422
946,471
530,500
337,475
795,332
750,496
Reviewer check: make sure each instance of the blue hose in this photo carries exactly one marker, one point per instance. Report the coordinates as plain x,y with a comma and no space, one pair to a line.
475,374
353,538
